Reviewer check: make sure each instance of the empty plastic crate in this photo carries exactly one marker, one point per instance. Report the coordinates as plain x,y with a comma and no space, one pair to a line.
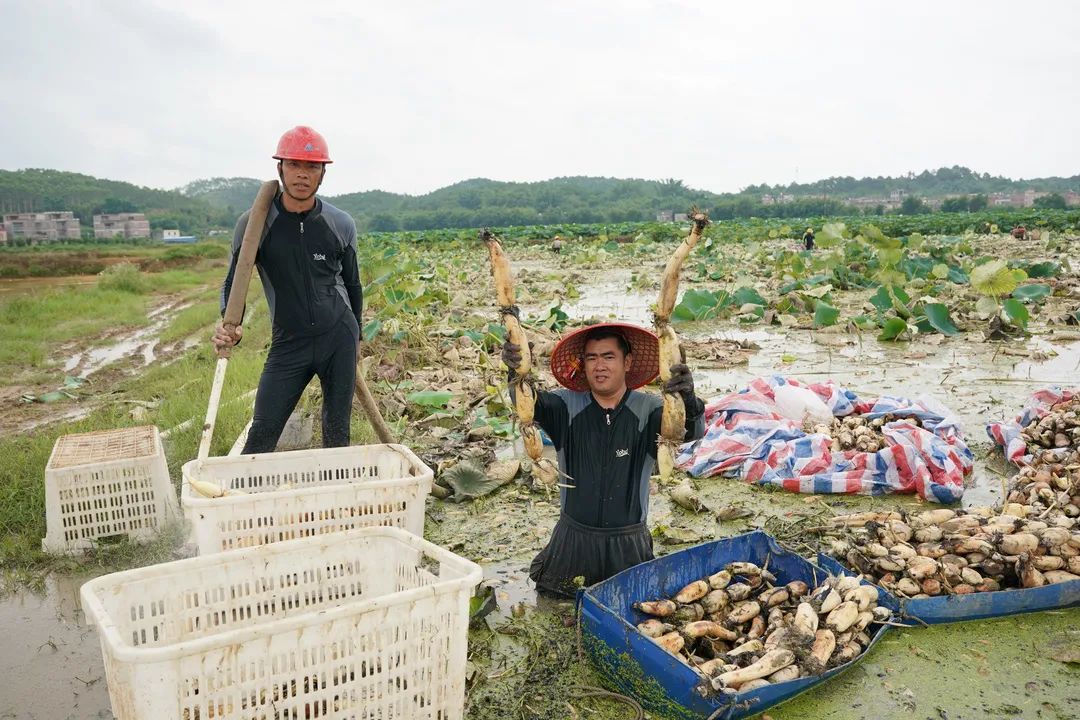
366,624
327,490
105,484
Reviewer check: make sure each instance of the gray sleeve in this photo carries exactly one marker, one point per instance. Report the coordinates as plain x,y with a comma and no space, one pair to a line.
238,239
342,225
238,231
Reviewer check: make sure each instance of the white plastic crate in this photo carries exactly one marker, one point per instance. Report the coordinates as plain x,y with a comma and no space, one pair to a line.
104,484
367,624
331,490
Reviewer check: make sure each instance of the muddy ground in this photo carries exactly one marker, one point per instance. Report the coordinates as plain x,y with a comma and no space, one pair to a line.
524,661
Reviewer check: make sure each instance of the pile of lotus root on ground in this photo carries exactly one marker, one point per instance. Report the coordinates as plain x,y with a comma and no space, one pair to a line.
1032,540
1050,484
1059,428
740,630
955,552
855,432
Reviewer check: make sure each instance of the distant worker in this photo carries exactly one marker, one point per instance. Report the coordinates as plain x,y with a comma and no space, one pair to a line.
808,238
556,245
309,272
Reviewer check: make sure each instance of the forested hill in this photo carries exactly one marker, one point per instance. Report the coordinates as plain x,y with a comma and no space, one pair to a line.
233,194
216,202
37,190
480,202
928,184
477,203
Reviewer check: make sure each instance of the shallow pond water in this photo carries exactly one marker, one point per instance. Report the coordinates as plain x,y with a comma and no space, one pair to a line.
50,658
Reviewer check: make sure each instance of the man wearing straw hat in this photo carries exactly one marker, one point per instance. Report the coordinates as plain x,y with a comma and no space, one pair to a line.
604,431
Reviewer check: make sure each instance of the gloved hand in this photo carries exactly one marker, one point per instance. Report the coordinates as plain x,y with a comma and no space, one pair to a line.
511,355
681,382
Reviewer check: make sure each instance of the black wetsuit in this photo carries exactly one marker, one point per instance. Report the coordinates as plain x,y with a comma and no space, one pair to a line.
808,240
609,454
307,263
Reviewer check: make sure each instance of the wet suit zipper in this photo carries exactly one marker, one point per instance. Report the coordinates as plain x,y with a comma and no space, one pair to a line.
604,465
307,276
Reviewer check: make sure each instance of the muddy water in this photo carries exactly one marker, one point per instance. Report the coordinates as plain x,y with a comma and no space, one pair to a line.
11,287
141,343
964,671
609,297
50,660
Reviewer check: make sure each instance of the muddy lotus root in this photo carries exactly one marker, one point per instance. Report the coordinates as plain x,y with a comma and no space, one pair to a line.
741,630
956,552
855,432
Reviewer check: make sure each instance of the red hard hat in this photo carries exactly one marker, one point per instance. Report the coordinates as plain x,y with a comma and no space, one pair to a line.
303,143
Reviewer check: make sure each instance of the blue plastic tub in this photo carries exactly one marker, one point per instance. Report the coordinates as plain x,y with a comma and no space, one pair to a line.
974,606
640,668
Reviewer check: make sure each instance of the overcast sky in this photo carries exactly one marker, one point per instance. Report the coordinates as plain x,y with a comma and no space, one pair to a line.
413,96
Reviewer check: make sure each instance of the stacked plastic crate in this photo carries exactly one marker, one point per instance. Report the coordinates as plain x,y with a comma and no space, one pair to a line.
314,595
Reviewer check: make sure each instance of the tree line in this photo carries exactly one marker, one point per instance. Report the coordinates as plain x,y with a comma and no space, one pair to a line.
41,190
217,202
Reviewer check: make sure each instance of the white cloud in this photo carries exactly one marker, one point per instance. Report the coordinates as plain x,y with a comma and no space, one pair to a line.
416,95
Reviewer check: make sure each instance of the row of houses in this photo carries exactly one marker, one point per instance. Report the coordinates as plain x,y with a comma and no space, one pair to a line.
63,225
42,226
1028,198
896,198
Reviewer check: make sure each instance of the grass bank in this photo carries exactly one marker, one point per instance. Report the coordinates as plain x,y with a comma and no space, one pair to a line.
90,258
34,324
165,395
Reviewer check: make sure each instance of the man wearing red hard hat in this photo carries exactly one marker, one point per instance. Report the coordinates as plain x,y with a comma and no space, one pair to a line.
309,272
604,431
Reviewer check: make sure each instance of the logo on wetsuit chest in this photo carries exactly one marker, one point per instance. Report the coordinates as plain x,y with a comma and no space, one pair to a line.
318,256
622,452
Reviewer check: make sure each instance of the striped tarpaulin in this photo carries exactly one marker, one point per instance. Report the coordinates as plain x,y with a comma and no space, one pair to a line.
745,435
1006,433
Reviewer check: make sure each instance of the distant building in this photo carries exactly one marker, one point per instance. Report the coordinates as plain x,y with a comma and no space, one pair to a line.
121,225
172,236
864,203
42,226
665,216
1071,197
681,217
1030,196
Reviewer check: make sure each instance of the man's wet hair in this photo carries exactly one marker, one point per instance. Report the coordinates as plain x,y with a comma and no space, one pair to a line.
604,334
